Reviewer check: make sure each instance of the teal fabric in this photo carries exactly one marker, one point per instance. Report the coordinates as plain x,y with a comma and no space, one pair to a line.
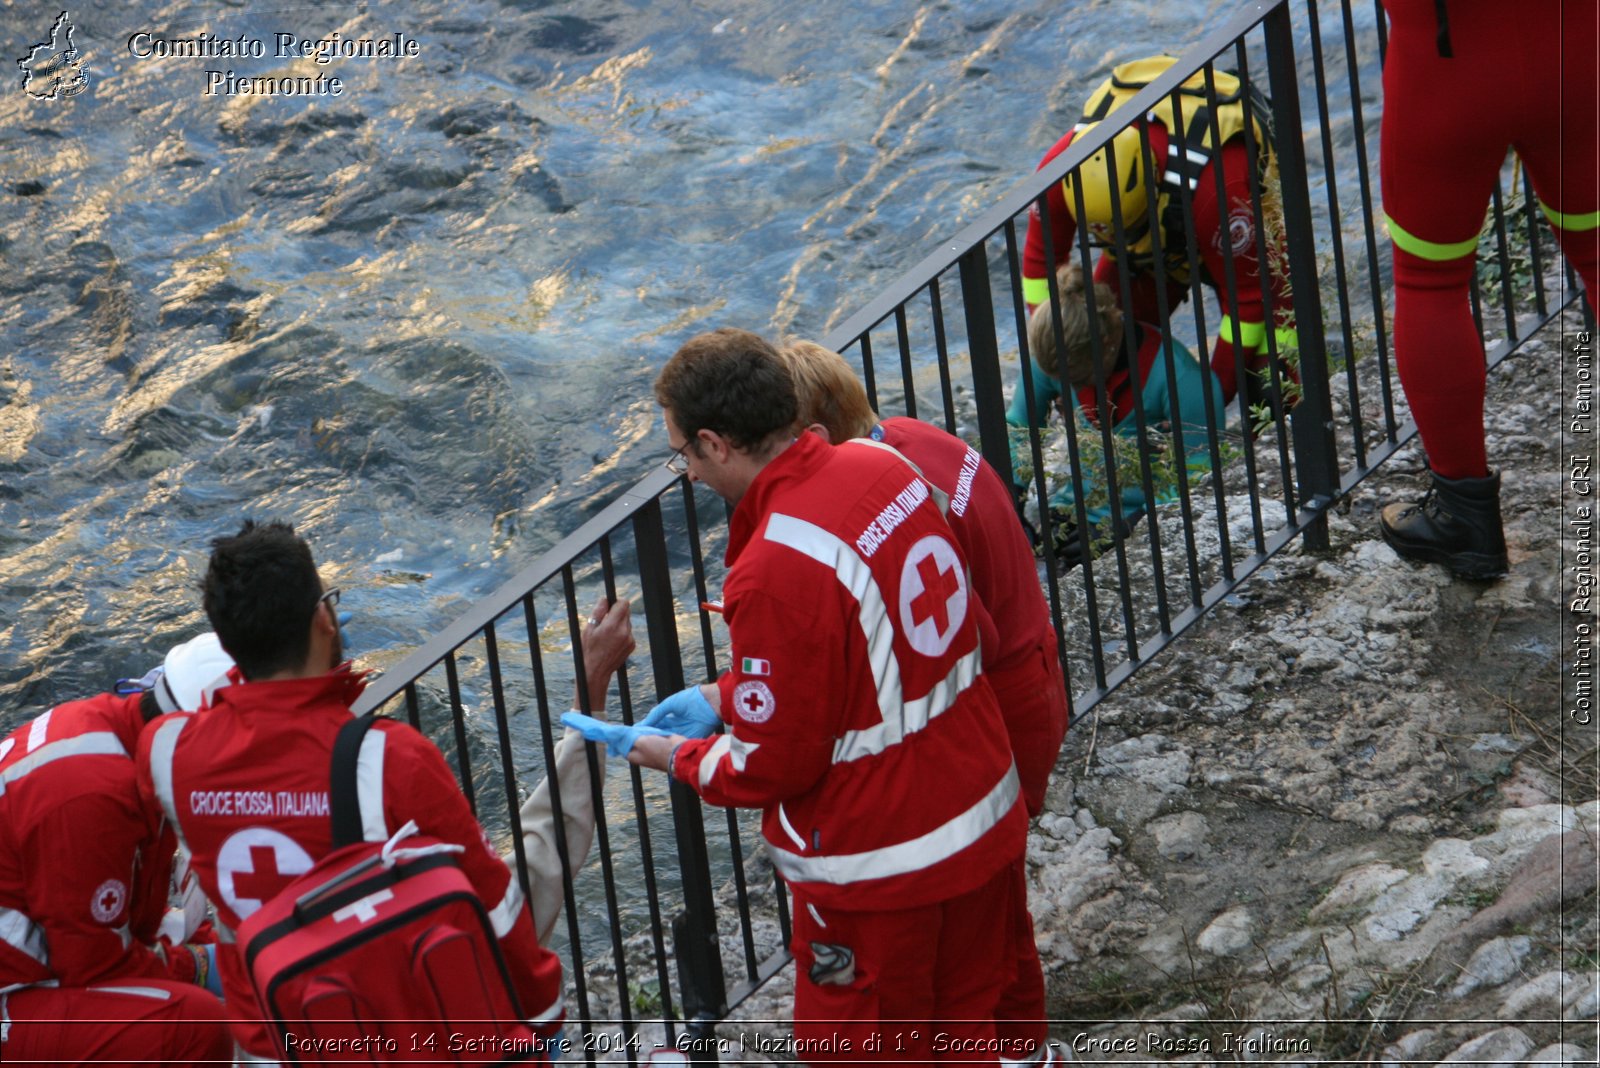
1189,382
1045,392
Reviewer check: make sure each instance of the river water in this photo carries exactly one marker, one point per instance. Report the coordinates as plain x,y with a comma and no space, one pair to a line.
420,319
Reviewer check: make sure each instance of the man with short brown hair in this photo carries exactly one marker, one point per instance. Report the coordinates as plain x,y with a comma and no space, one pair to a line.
1020,662
857,716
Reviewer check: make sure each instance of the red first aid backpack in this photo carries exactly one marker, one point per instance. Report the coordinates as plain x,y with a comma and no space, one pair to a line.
382,951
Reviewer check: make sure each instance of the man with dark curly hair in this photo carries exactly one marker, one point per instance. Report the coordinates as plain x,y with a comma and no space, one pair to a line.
271,737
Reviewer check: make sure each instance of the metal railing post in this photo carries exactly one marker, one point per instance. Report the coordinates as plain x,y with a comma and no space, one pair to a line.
1316,464
988,384
694,931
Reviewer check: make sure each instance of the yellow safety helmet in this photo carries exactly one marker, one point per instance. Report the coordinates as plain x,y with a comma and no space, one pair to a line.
1102,188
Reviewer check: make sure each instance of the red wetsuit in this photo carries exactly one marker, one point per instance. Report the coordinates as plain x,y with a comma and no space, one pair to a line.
246,784
1022,668
1520,76
84,869
860,722
1220,238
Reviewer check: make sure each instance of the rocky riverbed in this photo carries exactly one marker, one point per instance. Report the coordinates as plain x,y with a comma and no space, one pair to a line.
1345,819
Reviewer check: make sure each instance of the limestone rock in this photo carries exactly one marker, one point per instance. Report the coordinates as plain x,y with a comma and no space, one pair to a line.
1408,1047
1180,836
1228,934
1520,829
1135,777
1585,1005
1561,867
1453,857
1404,905
1495,962
1562,1053
1501,1048
1539,996
1152,760
1356,886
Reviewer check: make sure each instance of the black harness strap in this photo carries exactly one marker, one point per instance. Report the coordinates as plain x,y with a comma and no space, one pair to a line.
344,804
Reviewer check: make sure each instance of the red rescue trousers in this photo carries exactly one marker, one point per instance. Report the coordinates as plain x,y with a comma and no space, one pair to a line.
1521,76
116,1022
911,985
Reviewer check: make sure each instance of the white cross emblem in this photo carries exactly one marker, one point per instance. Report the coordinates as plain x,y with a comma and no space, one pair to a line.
933,595
256,863
365,909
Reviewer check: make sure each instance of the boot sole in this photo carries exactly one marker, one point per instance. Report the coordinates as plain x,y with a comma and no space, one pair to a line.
1477,567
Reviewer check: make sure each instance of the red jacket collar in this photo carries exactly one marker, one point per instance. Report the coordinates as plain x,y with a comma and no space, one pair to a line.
294,695
797,463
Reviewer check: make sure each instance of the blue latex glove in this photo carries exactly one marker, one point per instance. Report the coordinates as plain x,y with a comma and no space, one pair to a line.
686,712
618,738
344,632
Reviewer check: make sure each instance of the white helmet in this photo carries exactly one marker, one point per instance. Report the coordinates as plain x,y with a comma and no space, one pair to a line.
192,673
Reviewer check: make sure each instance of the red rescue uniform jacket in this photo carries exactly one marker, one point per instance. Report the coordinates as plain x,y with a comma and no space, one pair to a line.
860,721
84,867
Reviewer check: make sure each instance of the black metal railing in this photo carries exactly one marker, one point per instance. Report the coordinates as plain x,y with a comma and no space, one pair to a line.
937,345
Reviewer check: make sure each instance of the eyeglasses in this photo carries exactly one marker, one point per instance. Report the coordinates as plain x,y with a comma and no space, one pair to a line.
678,462
330,598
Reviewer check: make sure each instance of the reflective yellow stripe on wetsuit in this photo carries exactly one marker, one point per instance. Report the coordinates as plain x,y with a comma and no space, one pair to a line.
1428,250
1288,338
1250,336
1035,291
1575,223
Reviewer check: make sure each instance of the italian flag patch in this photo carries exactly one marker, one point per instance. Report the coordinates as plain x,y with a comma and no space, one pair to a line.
754,665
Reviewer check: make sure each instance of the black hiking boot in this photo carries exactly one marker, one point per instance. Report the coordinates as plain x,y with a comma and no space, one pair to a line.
1457,524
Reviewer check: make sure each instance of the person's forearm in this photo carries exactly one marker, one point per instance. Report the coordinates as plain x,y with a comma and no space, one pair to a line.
596,690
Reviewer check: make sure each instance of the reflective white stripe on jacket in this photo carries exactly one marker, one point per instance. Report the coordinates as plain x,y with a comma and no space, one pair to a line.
95,743
20,932
162,745
900,717
903,857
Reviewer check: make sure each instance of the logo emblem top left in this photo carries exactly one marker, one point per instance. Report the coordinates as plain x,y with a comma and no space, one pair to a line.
54,69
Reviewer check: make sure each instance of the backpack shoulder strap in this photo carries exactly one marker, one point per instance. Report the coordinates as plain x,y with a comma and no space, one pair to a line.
344,803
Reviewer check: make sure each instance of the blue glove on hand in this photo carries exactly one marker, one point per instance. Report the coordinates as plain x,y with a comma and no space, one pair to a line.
686,712
618,738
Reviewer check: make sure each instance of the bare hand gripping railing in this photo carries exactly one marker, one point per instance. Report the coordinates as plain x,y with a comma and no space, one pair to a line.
1207,528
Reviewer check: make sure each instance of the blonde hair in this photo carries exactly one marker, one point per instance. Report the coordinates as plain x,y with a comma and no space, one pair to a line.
1074,363
829,391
